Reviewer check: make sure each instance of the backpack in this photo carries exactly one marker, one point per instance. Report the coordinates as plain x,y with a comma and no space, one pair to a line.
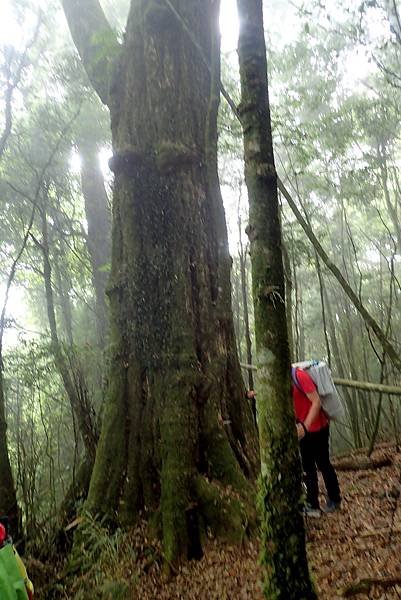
321,376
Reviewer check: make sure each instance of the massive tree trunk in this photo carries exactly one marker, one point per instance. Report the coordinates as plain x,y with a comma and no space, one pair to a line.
177,434
286,575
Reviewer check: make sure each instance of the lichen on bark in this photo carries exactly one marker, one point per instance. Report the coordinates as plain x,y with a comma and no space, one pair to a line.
283,555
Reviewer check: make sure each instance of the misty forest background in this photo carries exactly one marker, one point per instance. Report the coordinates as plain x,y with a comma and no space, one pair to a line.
335,93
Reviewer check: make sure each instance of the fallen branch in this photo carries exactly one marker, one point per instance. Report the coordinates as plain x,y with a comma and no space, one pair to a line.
363,464
369,387
370,322
359,451
360,385
365,585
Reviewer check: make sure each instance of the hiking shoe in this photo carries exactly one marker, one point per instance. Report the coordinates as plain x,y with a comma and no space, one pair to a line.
331,506
309,511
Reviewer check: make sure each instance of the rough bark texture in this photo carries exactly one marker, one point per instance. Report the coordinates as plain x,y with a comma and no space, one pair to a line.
177,435
286,575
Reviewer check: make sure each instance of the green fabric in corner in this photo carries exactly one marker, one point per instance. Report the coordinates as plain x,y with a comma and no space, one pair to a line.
12,586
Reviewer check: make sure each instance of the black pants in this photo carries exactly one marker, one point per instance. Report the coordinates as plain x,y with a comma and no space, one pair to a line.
315,453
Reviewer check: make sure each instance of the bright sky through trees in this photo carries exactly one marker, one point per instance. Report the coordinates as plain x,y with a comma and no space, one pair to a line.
16,25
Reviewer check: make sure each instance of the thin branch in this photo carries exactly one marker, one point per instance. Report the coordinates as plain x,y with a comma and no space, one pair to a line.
34,201
369,320
12,86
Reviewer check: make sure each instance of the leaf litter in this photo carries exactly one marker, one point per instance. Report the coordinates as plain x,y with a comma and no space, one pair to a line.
362,541
357,548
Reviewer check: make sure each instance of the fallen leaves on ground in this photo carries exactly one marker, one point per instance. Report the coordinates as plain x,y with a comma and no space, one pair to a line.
362,541
357,548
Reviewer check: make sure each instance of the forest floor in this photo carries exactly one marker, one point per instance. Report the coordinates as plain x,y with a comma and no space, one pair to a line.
362,541
359,545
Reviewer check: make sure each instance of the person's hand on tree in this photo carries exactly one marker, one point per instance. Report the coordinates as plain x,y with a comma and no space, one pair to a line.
250,394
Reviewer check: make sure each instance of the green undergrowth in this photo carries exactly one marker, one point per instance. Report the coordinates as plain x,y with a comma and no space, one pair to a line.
103,564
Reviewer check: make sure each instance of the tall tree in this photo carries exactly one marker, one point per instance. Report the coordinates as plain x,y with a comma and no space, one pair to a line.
13,69
98,236
286,574
175,425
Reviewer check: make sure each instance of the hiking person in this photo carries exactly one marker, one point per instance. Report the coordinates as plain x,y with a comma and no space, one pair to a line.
14,581
313,430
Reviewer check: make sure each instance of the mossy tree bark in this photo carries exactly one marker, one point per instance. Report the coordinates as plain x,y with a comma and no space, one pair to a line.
286,574
177,435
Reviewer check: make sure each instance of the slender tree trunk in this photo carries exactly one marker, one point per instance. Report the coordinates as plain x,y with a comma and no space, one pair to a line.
392,209
288,300
284,561
297,327
237,313
244,291
73,383
370,322
324,319
65,304
349,395
176,428
300,308
99,231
